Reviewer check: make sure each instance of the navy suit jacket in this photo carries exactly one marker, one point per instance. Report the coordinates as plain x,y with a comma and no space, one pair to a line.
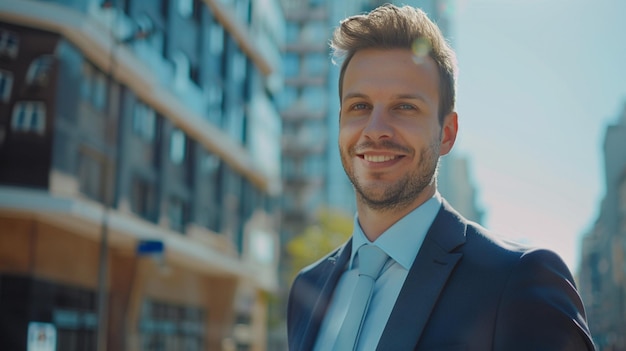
466,290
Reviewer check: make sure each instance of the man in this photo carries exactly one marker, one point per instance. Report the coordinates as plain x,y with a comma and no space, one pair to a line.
445,283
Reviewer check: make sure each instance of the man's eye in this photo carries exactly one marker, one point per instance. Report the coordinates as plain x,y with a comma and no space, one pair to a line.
406,107
359,106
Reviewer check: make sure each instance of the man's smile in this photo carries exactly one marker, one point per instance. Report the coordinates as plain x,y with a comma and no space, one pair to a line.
379,158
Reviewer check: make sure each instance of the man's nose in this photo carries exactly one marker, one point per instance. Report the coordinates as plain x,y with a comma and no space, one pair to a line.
378,124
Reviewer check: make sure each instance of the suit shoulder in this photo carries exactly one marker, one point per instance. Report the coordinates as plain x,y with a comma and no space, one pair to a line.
480,237
486,249
329,257
320,267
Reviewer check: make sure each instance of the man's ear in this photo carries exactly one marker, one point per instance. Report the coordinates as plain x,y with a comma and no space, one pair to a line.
448,133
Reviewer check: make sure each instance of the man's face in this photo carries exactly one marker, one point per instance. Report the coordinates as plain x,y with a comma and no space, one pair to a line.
390,138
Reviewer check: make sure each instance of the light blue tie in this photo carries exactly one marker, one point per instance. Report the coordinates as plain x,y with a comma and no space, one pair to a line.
371,262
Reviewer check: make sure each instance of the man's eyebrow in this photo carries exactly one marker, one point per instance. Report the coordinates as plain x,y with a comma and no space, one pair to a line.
353,95
397,96
410,97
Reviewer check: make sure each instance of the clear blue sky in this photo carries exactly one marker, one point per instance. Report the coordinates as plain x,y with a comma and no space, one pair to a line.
539,82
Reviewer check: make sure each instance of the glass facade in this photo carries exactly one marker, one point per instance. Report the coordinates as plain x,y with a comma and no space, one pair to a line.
154,122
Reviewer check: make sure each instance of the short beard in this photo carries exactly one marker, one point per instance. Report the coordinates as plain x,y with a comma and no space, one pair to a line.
403,193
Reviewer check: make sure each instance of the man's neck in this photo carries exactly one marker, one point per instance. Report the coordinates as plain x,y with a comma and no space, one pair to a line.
375,222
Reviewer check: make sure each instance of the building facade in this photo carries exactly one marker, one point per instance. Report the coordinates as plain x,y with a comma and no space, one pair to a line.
139,173
602,275
455,183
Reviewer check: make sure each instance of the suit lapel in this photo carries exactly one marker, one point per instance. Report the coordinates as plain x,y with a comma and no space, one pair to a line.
335,264
425,281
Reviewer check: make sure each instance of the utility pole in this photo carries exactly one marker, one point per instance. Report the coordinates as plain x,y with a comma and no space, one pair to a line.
110,195
103,261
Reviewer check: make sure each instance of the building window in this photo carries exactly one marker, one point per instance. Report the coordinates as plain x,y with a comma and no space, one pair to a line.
178,146
215,96
9,44
235,123
144,121
165,326
195,74
143,199
94,87
185,8
177,214
314,32
292,32
39,71
315,64
74,316
76,329
242,9
91,175
86,87
6,84
314,98
209,164
149,33
238,63
182,69
291,65
29,116
99,97
286,98
216,42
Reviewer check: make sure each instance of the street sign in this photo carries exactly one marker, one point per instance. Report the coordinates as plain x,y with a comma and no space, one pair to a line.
150,247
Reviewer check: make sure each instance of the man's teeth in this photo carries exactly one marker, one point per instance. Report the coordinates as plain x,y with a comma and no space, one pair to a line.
378,158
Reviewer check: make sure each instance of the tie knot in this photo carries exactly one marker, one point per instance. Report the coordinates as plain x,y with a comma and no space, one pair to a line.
371,260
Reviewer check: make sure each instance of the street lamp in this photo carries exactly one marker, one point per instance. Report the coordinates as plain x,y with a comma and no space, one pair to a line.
102,299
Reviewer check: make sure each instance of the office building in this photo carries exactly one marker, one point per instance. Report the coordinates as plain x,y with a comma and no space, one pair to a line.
139,173
602,274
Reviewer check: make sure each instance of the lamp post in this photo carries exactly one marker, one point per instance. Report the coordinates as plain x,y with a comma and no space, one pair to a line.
109,198
103,261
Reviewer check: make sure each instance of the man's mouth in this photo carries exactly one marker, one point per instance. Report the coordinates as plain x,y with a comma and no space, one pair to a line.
379,158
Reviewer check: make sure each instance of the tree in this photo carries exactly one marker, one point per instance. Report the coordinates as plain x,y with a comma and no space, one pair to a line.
332,228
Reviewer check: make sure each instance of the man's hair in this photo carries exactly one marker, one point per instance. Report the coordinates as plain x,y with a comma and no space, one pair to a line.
392,27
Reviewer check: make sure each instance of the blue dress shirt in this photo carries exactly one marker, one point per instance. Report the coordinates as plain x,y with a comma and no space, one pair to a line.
401,242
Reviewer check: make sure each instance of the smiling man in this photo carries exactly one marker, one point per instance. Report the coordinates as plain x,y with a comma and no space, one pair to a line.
415,274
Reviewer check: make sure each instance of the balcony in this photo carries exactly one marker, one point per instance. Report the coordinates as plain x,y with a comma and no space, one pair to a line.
299,113
303,144
306,47
297,13
303,181
302,80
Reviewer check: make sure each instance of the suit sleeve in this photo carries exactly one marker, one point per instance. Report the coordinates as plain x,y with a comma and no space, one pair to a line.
540,308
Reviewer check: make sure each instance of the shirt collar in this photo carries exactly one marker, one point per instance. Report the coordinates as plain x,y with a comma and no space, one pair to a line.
404,238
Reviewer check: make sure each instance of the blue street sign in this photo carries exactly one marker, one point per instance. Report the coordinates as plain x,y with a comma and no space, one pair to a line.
150,247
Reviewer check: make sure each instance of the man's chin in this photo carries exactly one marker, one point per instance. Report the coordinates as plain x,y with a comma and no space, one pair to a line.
377,198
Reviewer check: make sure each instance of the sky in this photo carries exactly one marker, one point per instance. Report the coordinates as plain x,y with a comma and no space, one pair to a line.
539,82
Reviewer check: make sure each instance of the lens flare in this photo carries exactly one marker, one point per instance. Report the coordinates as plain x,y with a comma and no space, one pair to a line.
421,49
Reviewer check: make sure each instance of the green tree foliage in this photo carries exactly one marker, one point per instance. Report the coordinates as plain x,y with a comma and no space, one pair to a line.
332,228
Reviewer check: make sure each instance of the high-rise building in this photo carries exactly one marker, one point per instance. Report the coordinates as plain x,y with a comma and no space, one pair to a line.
455,184
602,274
139,173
